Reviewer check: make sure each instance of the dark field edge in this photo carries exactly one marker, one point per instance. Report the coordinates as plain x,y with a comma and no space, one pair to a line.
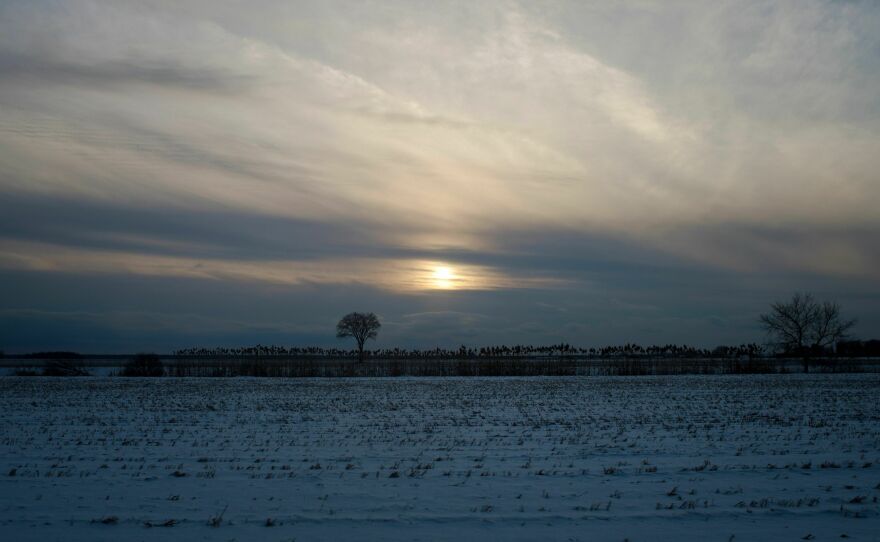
306,367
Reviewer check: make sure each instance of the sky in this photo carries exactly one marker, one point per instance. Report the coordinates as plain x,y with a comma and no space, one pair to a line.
205,173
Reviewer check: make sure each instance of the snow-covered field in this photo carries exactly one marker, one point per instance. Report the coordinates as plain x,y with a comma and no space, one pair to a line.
792,457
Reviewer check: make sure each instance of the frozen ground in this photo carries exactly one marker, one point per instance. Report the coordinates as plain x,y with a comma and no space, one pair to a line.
645,458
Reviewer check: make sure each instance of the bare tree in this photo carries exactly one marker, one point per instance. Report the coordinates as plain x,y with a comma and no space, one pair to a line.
804,326
361,326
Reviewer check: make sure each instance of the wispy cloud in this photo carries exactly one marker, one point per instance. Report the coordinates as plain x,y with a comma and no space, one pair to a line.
526,147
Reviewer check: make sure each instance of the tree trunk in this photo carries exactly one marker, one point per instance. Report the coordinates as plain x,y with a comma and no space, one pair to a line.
806,362
360,353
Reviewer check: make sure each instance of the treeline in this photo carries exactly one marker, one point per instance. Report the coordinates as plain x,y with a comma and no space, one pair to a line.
458,367
628,362
743,351
859,349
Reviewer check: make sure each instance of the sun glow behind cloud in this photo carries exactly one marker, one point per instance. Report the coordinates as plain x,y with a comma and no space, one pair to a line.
472,147
444,278
399,275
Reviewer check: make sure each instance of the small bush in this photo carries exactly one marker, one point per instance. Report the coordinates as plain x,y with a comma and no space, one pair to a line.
144,365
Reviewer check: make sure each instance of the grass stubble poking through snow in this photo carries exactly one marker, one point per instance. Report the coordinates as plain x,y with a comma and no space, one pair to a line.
622,458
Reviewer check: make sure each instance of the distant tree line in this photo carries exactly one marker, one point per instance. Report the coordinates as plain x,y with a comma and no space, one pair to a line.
859,349
497,351
846,348
849,348
802,328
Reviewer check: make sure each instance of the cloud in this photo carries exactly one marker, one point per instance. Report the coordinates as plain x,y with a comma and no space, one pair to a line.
404,275
513,110
574,147
29,70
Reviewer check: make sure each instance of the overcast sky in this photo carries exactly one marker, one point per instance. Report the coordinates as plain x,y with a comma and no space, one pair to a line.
226,173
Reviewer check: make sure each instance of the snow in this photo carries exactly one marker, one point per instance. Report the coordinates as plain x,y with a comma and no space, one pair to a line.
773,457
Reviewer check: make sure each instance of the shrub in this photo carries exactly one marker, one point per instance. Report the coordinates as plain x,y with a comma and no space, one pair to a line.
144,365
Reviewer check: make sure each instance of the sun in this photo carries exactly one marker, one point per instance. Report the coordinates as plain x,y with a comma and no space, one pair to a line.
443,278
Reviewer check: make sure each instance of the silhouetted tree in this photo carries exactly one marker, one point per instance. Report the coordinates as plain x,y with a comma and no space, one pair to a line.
803,326
361,326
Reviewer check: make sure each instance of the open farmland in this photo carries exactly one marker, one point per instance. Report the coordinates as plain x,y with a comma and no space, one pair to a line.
761,457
